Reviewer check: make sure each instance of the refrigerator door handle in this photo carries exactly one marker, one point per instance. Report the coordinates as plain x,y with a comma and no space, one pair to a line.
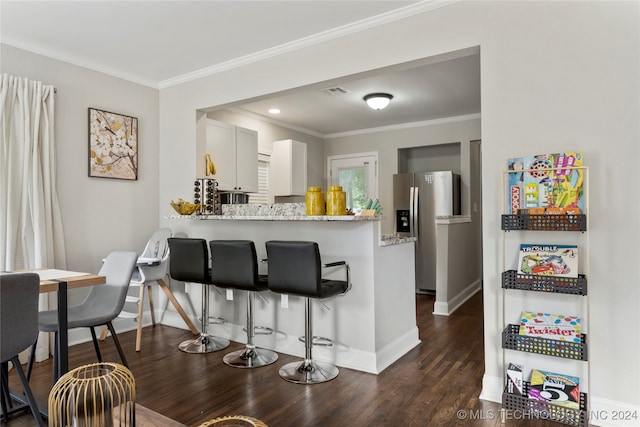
416,216
411,211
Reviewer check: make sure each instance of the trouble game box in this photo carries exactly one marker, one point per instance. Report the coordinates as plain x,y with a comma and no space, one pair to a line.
548,260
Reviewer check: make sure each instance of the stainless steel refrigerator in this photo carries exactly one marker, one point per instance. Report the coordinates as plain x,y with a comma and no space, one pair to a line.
418,198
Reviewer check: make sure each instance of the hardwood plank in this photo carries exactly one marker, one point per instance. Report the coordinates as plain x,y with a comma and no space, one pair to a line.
427,387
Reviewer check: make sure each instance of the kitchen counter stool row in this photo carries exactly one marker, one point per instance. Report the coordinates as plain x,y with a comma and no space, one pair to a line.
294,268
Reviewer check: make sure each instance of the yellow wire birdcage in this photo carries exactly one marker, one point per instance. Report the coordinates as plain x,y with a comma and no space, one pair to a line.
94,396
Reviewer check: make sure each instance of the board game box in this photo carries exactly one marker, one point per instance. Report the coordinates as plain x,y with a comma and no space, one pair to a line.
558,389
550,326
515,384
546,181
548,260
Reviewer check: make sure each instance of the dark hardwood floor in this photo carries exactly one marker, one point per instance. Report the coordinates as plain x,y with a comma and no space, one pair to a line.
435,384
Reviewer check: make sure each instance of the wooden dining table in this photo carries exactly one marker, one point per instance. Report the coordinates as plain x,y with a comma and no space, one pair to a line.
60,281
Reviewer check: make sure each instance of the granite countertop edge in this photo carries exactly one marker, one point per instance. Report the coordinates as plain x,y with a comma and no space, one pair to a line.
276,217
391,240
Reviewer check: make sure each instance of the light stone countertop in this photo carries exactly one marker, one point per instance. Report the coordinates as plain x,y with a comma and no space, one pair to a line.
287,212
277,217
272,212
393,239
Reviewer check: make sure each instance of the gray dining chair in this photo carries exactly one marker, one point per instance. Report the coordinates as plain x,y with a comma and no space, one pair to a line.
102,304
18,331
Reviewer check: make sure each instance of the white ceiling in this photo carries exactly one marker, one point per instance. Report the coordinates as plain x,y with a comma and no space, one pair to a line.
163,43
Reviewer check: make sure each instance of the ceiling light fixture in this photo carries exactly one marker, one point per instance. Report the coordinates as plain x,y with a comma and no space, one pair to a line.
274,111
378,101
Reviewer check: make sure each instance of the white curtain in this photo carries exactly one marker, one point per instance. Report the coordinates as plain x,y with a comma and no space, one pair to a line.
30,225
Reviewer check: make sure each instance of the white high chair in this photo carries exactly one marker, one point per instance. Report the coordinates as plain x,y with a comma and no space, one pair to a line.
151,269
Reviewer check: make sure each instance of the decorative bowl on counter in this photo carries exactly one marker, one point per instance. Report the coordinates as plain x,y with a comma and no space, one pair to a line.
184,208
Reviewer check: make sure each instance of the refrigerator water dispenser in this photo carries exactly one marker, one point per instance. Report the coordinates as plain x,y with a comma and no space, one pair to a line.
402,221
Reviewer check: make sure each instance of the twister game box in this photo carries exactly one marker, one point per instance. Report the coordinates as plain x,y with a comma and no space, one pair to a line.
550,326
545,181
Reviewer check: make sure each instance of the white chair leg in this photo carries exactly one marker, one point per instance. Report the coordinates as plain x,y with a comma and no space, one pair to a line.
140,312
153,313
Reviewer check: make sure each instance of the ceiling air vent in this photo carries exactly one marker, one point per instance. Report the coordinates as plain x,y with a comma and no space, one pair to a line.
335,90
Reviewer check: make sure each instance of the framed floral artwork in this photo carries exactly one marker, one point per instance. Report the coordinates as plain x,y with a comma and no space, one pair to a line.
113,145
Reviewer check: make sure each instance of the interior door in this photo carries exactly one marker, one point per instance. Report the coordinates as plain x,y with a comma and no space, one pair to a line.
357,174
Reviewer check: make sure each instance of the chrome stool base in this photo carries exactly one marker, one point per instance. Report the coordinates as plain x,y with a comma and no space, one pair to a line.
308,372
250,358
260,330
204,344
317,341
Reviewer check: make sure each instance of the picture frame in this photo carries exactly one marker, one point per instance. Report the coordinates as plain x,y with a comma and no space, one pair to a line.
113,145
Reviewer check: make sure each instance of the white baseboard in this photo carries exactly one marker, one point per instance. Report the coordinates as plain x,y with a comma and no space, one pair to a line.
492,389
610,413
338,354
396,349
445,308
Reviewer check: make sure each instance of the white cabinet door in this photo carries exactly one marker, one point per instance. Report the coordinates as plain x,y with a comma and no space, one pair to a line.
288,168
246,160
221,145
234,151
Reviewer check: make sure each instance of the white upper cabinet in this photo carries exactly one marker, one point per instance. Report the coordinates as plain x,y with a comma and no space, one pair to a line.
246,160
288,168
234,151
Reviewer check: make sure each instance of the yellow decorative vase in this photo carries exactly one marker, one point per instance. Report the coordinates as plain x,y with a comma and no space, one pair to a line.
336,201
315,201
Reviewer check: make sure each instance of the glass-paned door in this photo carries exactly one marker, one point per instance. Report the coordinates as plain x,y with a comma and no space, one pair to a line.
357,175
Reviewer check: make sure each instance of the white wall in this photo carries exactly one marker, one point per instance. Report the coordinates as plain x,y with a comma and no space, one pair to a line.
99,215
556,76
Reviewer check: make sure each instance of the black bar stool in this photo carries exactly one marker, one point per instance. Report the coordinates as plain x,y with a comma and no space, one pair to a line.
234,265
189,262
295,269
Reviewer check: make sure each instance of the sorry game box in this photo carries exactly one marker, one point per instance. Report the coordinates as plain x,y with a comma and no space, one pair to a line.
545,181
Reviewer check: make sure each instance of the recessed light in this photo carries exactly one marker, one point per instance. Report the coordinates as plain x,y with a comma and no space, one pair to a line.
274,110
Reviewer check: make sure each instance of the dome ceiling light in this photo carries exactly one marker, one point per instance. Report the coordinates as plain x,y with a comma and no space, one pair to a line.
378,101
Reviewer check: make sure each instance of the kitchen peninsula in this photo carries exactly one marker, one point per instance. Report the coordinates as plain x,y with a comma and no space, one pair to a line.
372,325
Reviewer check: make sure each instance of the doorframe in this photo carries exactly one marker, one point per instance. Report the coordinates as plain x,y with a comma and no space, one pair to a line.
364,155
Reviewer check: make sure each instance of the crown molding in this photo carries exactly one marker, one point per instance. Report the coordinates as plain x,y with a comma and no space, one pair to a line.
423,123
80,62
276,122
391,16
405,126
395,15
